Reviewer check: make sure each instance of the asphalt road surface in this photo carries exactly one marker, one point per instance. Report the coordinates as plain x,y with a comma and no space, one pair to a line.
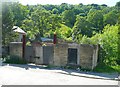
24,75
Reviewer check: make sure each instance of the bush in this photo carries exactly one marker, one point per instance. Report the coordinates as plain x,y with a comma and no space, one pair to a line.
108,41
14,60
103,68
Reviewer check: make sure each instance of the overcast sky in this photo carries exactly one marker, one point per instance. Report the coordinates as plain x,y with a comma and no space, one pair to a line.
33,2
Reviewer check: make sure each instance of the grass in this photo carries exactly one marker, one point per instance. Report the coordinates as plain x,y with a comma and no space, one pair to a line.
103,68
116,68
49,66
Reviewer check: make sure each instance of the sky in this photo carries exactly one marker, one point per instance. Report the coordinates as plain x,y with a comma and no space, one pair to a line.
58,2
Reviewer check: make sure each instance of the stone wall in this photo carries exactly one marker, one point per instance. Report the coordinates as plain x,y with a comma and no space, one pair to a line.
57,55
88,56
60,54
16,49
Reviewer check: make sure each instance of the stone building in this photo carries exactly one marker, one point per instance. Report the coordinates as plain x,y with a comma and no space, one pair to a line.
84,55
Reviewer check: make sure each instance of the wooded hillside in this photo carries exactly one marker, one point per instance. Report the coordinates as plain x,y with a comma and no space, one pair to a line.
90,24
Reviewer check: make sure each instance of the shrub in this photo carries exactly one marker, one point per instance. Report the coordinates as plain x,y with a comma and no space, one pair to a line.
14,60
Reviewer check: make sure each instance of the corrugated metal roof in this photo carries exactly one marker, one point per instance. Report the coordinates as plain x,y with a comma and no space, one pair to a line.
46,39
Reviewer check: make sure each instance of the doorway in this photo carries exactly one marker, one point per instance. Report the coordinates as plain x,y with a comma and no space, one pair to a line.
47,54
72,56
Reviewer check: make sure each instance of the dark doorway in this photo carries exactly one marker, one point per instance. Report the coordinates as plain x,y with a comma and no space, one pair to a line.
47,54
72,56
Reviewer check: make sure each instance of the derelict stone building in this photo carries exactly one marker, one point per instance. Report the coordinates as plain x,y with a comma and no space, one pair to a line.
61,54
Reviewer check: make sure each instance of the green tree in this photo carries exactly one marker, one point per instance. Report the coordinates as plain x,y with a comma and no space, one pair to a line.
106,10
96,19
108,40
41,22
118,8
7,23
68,18
20,12
82,26
118,5
64,32
118,40
49,7
111,18
55,11
63,7
37,23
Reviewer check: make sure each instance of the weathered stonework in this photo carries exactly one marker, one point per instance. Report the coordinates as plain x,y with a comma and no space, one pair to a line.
57,55
87,54
95,56
16,49
60,54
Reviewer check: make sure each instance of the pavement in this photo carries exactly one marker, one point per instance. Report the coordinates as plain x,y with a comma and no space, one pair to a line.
15,74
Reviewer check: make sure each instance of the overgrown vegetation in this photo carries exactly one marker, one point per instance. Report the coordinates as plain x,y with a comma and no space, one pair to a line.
89,24
104,68
14,60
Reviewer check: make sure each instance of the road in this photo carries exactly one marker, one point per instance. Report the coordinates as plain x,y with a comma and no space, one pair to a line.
24,75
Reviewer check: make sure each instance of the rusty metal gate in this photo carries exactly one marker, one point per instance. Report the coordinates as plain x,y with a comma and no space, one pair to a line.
72,56
47,54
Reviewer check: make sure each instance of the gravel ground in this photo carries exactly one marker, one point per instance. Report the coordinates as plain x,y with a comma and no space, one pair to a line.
35,75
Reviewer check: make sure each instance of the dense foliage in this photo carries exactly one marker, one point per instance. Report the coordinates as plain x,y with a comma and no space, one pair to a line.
89,24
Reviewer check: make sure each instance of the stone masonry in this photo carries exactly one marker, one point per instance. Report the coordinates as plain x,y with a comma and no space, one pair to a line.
87,55
60,54
16,49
